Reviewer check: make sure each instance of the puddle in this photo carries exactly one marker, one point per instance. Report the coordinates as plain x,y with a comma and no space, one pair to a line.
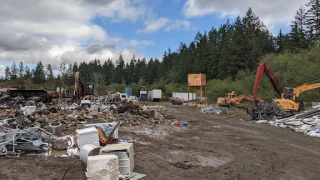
144,143
175,152
122,141
212,161
197,158
153,132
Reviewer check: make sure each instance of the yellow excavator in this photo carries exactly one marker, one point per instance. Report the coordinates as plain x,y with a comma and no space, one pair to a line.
81,88
290,96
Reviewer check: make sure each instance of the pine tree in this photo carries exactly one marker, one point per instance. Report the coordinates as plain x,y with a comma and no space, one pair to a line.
75,67
298,30
313,20
49,72
14,71
39,74
7,73
108,70
21,70
119,70
130,74
280,45
28,73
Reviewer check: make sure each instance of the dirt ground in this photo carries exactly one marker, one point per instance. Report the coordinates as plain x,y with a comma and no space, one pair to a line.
212,147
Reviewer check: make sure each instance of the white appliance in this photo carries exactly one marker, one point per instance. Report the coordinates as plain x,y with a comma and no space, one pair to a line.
125,155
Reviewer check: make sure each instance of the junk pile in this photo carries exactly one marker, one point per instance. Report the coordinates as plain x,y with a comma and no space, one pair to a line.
33,127
307,122
267,111
177,101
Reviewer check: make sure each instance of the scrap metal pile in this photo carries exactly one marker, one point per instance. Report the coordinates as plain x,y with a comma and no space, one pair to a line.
307,122
33,126
267,111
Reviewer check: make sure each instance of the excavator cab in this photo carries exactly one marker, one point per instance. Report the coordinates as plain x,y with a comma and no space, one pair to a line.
287,93
89,89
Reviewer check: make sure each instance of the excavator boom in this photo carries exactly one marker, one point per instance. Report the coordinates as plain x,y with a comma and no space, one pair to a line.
264,68
306,87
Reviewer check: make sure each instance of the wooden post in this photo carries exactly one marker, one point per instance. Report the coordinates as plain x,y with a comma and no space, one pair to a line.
188,94
205,93
201,94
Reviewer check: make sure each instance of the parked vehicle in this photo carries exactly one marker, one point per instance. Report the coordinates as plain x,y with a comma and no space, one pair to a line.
155,95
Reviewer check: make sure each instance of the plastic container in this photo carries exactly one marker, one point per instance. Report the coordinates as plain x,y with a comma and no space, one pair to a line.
87,136
88,150
128,91
103,167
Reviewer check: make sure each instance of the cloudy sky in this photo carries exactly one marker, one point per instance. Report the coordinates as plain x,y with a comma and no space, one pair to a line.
56,31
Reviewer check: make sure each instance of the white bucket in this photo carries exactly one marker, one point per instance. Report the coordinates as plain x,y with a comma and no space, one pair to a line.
88,150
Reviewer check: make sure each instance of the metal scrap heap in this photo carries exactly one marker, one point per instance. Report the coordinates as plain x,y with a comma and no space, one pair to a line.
267,111
33,126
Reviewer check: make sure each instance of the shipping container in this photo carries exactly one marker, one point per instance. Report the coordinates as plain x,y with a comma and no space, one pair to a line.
184,96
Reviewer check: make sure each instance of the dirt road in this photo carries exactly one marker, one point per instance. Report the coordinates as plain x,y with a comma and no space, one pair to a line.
222,147
212,147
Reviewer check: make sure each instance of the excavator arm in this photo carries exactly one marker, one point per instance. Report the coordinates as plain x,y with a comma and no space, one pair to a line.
306,87
246,97
79,85
264,68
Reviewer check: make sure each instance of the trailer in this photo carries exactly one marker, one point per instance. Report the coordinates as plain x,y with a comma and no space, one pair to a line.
155,95
184,96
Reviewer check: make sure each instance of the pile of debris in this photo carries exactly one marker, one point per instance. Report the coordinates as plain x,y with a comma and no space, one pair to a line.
214,110
307,122
267,111
34,127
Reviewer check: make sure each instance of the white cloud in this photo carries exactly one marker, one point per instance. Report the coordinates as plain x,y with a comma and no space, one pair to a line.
135,43
2,71
155,25
164,24
62,31
270,12
177,25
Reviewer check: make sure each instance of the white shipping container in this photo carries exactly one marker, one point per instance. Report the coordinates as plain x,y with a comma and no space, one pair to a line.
184,96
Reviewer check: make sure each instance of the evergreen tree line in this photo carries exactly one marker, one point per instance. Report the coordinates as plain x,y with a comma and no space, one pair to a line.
220,53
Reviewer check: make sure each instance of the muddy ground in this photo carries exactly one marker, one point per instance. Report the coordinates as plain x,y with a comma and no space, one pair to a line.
212,147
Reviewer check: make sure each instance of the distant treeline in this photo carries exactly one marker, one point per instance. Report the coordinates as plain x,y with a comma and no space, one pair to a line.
222,53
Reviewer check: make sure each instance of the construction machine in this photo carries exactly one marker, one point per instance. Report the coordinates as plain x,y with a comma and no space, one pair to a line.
232,99
264,68
81,87
288,97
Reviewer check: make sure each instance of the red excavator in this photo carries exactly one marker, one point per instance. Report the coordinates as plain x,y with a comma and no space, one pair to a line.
264,68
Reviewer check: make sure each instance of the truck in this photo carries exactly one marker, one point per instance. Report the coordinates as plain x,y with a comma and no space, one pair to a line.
155,95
